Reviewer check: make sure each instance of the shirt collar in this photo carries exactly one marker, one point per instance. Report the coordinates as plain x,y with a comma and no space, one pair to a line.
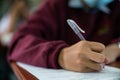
78,4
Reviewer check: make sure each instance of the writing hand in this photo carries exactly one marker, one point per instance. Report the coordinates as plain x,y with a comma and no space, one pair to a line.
83,56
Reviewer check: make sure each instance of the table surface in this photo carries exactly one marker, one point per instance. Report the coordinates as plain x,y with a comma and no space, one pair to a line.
116,64
21,73
24,75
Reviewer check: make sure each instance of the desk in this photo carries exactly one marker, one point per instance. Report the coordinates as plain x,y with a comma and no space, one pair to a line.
21,73
24,75
116,64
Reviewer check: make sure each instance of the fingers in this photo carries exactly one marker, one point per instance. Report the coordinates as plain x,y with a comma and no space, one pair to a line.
94,46
88,70
93,59
93,50
93,65
85,69
97,47
96,57
86,65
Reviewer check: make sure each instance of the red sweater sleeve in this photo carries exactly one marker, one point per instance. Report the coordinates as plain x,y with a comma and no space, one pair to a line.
37,41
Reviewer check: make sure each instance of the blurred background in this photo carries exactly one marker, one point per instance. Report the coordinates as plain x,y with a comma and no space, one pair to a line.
12,14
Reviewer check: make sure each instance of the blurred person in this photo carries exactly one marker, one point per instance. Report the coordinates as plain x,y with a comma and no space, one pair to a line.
17,12
46,40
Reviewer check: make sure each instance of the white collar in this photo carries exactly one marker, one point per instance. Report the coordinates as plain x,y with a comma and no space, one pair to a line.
78,4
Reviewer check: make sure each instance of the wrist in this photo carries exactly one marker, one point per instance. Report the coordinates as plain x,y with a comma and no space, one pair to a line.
60,58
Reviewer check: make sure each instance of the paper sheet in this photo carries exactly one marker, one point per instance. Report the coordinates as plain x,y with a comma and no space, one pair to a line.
108,73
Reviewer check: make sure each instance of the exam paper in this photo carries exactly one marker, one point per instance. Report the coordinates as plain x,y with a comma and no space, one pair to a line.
108,73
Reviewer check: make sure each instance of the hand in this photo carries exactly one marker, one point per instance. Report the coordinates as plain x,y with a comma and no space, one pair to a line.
83,56
112,52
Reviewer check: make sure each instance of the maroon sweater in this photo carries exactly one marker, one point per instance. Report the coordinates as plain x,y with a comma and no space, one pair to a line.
40,39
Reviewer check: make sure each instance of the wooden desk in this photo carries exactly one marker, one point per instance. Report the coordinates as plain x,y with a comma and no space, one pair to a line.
24,75
21,73
116,64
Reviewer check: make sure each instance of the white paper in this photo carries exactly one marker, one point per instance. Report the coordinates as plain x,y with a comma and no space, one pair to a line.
108,73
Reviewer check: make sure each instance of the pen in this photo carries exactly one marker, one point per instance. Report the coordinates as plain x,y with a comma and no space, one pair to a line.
76,28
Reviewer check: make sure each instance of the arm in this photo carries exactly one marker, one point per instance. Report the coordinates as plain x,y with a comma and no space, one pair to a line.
35,43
